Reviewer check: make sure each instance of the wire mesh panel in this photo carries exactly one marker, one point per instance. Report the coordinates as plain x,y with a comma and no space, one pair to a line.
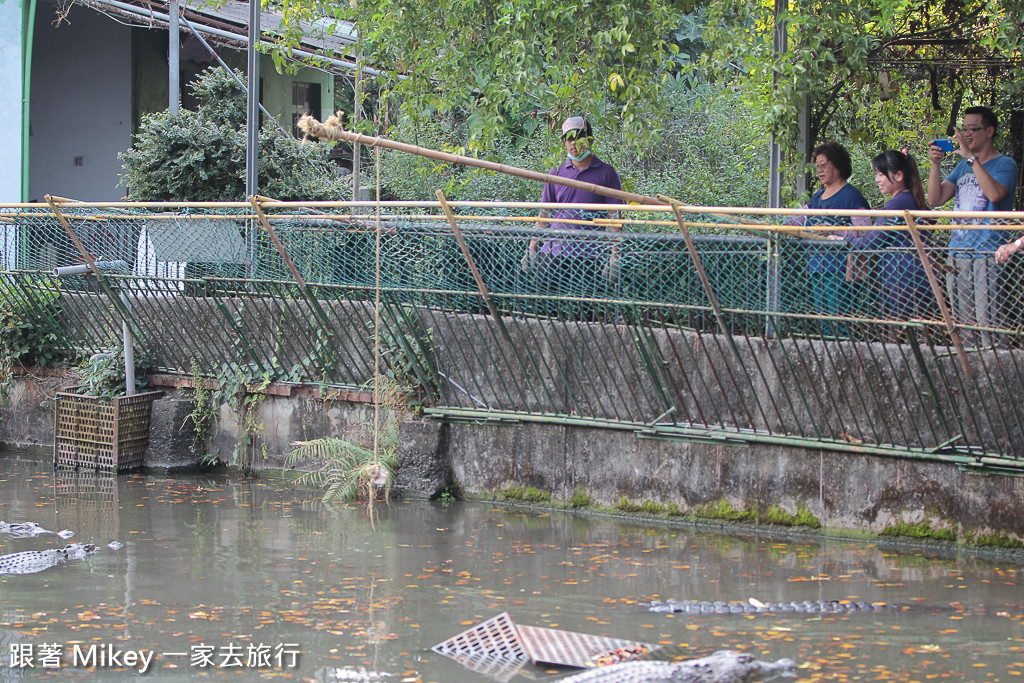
492,648
903,333
499,647
570,648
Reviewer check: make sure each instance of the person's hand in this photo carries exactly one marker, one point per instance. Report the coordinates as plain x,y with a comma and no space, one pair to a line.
935,154
962,148
1004,252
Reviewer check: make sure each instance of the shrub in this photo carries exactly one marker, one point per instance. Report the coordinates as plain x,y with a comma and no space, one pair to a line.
200,155
28,331
348,468
103,373
626,505
651,508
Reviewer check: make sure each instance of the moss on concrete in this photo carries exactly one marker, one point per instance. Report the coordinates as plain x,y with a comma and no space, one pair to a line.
626,505
919,530
997,540
580,498
527,494
723,509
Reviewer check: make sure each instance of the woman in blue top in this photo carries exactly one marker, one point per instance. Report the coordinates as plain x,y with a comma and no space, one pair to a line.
833,279
905,291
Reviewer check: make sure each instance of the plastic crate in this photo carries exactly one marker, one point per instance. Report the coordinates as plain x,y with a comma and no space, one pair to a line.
101,433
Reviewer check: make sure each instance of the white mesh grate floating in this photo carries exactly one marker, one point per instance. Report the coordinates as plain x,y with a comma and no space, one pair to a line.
492,648
569,648
499,648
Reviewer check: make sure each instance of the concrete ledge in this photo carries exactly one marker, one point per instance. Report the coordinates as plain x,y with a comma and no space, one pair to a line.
847,491
844,492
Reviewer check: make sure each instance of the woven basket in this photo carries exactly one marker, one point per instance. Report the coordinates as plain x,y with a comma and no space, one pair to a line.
101,433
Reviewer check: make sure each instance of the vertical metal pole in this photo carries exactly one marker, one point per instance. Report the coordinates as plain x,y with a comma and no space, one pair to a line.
129,352
357,110
173,60
253,110
775,151
803,145
252,129
773,279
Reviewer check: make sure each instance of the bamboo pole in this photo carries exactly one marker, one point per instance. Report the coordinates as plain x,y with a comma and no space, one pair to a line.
262,217
315,309
940,295
468,256
332,130
89,260
476,275
705,282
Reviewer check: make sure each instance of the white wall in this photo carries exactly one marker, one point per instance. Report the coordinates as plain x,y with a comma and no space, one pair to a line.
10,103
81,105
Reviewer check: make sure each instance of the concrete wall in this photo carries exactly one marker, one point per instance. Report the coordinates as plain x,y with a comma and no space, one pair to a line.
92,81
11,71
285,415
845,492
81,104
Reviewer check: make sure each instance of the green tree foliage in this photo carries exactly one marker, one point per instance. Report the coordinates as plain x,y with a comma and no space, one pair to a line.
713,152
515,65
200,155
939,54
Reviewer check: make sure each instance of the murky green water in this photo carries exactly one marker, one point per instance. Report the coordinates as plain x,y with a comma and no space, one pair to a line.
249,579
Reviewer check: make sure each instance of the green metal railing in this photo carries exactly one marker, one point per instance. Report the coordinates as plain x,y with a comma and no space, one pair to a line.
731,325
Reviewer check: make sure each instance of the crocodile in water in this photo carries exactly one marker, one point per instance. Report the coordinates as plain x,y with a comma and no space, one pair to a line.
754,606
32,561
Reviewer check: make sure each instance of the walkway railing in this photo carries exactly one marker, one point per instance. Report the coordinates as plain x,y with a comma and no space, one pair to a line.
736,325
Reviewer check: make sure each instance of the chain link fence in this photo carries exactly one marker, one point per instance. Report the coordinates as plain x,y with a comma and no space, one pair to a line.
771,326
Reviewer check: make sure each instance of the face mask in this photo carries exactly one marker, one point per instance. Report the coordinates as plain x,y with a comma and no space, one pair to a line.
583,147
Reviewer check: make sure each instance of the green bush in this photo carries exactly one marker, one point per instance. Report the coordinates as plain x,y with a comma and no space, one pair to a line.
649,507
200,155
28,332
103,373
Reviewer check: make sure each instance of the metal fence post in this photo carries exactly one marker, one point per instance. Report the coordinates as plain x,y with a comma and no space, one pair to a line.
939,293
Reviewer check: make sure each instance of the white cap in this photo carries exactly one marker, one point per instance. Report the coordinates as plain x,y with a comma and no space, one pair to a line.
573,123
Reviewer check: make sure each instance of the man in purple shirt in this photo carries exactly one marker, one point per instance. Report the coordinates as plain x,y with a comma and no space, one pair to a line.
567,264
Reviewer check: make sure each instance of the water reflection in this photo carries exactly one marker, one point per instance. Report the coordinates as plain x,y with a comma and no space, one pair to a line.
224,577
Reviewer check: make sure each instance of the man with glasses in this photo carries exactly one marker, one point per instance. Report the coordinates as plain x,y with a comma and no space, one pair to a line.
570,266
983,181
